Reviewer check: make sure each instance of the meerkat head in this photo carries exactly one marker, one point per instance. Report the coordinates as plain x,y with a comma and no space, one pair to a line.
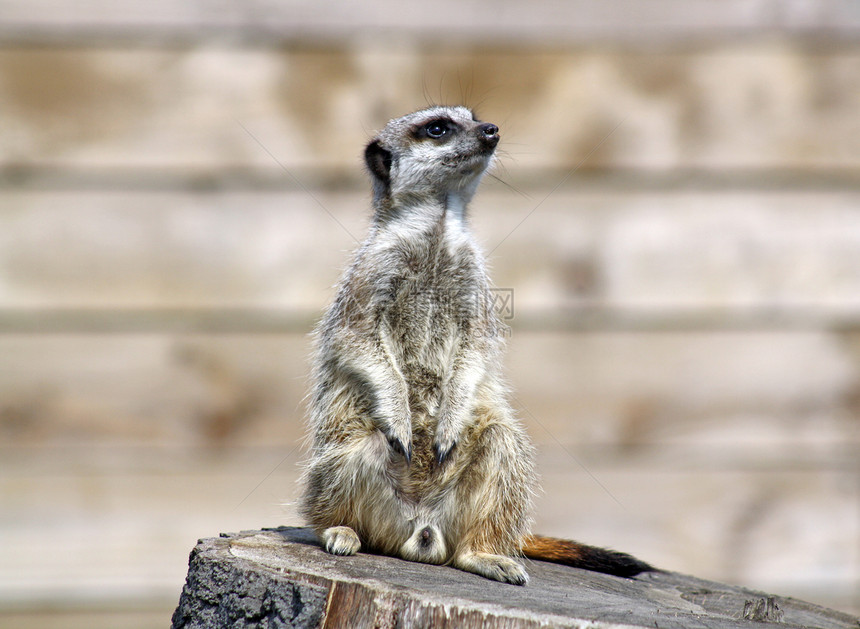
432,152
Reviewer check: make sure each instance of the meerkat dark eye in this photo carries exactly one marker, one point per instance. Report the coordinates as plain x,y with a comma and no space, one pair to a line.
436,129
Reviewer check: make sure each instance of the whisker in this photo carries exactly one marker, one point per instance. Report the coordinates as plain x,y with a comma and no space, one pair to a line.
510,187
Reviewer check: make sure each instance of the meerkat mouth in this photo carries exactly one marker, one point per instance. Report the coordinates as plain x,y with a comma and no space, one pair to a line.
478,159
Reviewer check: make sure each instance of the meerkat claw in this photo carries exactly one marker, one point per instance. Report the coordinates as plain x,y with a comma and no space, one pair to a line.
398,447
443,453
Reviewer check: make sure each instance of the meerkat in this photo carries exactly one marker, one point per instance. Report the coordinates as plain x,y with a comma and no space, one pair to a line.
415,451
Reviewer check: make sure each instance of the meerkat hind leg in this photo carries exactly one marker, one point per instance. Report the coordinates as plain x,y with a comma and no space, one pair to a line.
496,567
340,540
494,497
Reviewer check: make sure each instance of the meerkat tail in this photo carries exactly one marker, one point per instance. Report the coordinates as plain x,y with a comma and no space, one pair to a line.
578,555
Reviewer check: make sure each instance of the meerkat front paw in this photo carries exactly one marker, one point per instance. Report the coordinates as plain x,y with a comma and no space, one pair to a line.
442,448
340,540
400,439
496,567
401,448
449,428
447,435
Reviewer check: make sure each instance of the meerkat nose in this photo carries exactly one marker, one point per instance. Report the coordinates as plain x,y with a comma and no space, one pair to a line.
489,129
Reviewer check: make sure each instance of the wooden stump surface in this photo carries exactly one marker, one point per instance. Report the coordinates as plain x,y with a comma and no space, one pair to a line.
282,578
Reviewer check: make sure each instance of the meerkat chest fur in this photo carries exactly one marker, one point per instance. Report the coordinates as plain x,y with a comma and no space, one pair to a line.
431,296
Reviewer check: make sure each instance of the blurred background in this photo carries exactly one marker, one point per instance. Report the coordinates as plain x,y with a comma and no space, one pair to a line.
678,218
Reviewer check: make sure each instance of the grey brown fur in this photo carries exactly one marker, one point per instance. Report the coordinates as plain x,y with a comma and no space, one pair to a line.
416,452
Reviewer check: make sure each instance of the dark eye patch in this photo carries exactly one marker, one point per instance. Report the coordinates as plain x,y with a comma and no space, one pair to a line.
435,129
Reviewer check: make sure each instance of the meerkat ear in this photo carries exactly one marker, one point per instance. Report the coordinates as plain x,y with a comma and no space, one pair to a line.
378,161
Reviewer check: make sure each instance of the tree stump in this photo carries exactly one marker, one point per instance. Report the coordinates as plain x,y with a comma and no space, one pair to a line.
282,578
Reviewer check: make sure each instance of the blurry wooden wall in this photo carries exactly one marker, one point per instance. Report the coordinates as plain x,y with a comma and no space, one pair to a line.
678,220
